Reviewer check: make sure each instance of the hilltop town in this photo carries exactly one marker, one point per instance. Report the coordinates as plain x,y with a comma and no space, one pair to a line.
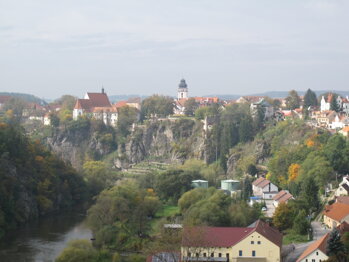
256,178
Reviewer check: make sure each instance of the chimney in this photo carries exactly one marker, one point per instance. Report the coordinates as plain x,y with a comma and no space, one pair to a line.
102,90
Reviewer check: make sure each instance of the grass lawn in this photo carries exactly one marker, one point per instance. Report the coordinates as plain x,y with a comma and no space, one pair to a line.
291,237
165,211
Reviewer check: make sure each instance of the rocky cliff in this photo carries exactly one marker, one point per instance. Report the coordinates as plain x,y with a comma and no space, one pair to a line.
166,141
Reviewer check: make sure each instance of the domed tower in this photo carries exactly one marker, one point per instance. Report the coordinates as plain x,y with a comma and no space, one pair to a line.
182,90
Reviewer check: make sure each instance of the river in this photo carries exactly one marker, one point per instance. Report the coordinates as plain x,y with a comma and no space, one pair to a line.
43,240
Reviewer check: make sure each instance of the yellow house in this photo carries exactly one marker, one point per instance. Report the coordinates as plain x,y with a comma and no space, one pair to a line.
335,214
257,243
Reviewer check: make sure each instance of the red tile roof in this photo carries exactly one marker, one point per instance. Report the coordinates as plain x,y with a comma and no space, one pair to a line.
99,99
318,244
263,183
343,199
282,196
120,104
259,180
83,104
214,236
269,232
227,236
336,211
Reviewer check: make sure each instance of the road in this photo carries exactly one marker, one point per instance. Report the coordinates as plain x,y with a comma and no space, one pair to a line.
318,232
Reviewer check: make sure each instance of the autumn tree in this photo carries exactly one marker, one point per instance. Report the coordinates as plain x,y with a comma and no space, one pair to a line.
283,217
293,172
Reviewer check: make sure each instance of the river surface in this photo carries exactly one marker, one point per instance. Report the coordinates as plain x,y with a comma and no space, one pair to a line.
44,239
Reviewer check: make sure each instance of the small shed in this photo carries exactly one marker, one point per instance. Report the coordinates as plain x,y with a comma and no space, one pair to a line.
199,183
230,184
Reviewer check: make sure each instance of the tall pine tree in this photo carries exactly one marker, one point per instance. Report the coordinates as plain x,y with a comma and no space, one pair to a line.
335,247
310,99
333,103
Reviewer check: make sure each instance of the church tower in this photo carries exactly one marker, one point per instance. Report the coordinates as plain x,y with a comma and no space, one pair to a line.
182,90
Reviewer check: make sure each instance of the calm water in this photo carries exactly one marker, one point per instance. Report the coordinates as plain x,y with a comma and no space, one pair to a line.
43,240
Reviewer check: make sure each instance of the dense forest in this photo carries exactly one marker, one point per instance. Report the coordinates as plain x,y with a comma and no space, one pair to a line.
34,181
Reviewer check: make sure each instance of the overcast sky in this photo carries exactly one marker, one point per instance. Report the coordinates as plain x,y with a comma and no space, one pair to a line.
49,48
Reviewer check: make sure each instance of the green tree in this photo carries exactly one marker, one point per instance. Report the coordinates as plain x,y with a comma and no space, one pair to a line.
171,184
190,106
293,100
245,129
336,151
54,119
317,167
97,175
333,103
310,194
301,223
335,247
121,216
66,102
126,117
157,105
77,251
210,209
310,99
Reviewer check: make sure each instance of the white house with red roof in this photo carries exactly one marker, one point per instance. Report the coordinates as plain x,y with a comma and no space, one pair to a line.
96,105
316,252
282,197
264,188
258,242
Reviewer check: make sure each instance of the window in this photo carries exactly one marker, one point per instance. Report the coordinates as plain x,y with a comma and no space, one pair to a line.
306,260
197,254
259,242
252,242
253,253
204,254
220,254
240,253
212,254
313,260
317,253
227,255
189,254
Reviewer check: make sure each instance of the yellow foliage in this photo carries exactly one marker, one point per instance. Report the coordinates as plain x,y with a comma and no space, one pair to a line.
311,141
39,158
268,176
282,180
293,172
3,125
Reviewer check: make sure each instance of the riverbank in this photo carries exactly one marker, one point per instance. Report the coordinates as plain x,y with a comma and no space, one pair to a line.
42,240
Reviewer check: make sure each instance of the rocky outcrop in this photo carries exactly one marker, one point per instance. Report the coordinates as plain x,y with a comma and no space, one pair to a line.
164,141
258,151
167,141
75,146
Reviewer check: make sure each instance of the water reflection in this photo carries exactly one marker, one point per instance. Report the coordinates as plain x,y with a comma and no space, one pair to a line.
44,239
